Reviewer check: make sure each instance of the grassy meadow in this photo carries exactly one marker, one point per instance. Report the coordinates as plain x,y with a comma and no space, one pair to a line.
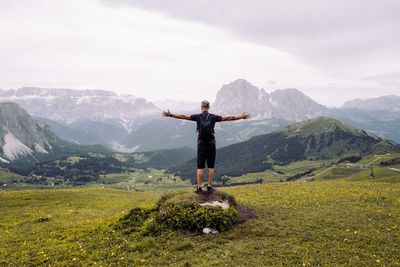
327,222
150,180
336,172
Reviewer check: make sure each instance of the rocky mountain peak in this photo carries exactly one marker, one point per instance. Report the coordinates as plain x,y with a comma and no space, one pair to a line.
22,136
289,104
239,96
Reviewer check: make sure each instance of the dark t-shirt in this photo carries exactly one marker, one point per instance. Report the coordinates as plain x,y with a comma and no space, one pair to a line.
213,118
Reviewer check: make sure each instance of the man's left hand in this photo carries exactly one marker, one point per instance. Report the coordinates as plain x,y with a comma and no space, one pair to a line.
245,115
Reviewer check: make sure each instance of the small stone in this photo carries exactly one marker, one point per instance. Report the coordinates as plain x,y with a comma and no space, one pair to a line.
210,231
224,205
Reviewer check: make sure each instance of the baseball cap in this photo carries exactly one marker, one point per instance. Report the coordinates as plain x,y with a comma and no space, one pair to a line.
205,104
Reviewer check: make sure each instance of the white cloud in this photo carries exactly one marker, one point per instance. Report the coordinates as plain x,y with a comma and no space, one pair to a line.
90,44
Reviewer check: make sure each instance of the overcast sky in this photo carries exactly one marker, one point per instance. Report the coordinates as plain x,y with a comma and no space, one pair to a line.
332,51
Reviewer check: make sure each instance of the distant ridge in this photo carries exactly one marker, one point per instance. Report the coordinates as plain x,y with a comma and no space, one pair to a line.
68,106
388,102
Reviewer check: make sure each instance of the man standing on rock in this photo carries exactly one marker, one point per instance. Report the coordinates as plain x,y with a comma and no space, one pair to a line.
206,139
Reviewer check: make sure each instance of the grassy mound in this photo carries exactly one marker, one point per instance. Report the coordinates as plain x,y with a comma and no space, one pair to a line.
182,211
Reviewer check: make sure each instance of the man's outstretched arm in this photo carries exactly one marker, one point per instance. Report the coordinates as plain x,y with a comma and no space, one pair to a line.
232,118
176,116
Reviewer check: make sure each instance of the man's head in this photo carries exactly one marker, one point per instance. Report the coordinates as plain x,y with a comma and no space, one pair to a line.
205,105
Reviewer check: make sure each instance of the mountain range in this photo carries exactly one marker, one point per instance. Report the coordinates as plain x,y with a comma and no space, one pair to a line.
127,123
388,102
24,142
321,138
68,106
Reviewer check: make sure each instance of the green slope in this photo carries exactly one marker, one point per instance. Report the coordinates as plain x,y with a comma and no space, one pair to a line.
322,138
159,159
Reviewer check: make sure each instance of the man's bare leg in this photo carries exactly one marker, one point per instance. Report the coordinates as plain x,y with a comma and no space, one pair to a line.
210,176
200,175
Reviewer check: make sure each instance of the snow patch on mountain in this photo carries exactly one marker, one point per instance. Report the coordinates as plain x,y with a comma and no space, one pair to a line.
126,124
121,148
4,160
40,149
13,148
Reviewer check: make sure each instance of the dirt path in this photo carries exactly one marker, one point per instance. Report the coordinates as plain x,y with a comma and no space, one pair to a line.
323,172
245,214
394,169
312,177
378,158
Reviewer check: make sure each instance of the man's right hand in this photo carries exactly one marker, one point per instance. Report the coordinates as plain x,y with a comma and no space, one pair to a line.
166,113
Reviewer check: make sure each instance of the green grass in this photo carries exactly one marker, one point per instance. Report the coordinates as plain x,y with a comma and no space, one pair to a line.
272,176
73,159
384,157
267,176
381,174
300,166
113,178
151,180
6,176
73,216
320,223
338,172
343,172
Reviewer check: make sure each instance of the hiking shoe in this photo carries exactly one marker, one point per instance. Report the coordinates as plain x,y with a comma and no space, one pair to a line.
199,190
209,188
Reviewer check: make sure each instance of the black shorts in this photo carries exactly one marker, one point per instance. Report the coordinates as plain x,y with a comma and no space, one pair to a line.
205,151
